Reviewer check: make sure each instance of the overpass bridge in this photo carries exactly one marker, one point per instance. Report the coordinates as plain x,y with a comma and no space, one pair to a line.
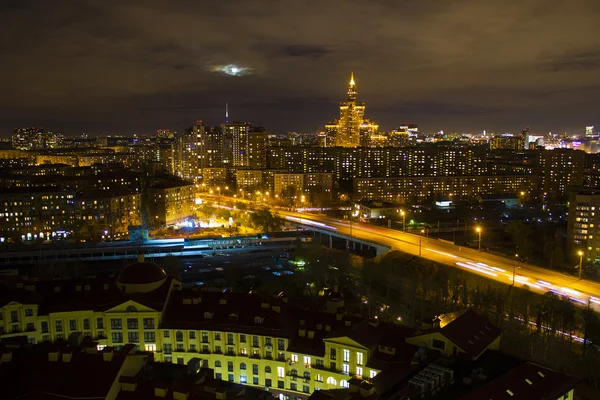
330,236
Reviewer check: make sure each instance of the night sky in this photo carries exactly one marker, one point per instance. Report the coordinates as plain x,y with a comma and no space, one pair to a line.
123,66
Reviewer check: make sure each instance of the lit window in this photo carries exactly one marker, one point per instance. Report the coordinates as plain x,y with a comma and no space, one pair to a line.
346,355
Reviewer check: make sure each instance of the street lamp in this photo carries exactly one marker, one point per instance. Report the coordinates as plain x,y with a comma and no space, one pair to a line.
580,262
403,220
515,268
478,230
421,241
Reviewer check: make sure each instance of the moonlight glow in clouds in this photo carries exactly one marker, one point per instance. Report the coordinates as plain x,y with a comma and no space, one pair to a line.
231,70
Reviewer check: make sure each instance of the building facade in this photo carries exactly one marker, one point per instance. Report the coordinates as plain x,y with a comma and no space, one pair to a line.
171,202
583,231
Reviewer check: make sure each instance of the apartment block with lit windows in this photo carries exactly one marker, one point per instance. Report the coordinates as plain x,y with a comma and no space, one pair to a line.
401,189
31,213
583,231
113,213
171,202
560,170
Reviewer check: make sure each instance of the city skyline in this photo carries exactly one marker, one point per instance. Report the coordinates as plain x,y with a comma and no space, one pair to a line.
468,67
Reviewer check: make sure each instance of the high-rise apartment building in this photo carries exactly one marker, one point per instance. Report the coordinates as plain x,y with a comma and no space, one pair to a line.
583,232
247,145
209,146
186,159
351,129
559,171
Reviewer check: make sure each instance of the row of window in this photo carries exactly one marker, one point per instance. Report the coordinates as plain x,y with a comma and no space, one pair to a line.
134,337
14,315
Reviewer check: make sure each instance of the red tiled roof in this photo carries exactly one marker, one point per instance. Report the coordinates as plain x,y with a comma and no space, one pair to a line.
30,373
468,330
528,381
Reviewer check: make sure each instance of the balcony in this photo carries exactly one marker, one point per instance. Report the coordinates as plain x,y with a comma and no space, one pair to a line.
218,352
204,351
230,353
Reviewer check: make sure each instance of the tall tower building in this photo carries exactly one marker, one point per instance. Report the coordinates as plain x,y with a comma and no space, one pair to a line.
348,128
244,145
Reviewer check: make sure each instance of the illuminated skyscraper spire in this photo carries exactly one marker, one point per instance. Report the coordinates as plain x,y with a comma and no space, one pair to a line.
352,89
226,113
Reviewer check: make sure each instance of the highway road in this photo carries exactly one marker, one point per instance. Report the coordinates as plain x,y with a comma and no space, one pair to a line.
490,266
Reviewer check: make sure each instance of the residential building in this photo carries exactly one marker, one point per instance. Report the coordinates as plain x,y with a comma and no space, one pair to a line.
419,189
243,338
560,170
583,231
171,202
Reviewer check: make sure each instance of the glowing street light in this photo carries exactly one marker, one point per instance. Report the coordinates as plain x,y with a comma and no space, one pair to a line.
403,220
580,253
478,230
515,268
420,241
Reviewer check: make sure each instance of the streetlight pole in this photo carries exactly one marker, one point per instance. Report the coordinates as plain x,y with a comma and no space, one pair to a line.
403,220
580,263
478,229
515,268
421,241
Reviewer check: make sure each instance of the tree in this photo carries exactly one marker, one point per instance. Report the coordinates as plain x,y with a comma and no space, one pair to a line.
289,194
521,235
264,219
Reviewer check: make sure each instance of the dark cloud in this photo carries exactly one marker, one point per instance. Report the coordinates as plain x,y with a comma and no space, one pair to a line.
311,51
575,62
139,65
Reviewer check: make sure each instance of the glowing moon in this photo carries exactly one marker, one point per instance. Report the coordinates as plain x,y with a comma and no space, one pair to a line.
231,70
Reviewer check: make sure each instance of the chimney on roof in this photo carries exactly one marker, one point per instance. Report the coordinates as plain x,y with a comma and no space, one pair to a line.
108,353
53,355
354,385
67,356
366,389
140,257
6,357
128,383
160,390
221,393
181,394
